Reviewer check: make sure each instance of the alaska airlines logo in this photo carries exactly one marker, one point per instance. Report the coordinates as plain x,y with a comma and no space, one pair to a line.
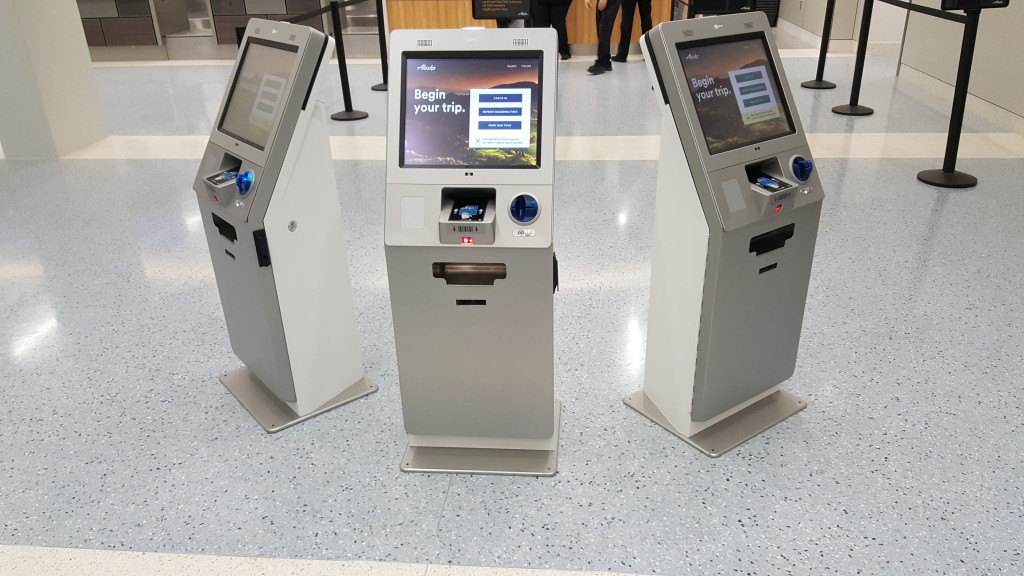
425,67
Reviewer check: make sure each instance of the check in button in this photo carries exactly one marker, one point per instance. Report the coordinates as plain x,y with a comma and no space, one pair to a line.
501,98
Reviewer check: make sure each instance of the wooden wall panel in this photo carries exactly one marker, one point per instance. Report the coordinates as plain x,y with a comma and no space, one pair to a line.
227,7
427,14
580,22
582,26
224,26
132,8
129,31
93,32
302,6
315,22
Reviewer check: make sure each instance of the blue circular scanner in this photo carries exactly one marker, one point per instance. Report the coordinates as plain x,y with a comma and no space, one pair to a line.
524,209
244,182
802,168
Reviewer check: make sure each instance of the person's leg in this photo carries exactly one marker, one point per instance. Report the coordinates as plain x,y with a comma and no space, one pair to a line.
605,26
645,15
558,14
542,15
625,29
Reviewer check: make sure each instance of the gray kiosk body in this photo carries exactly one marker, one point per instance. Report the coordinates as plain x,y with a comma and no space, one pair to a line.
269,203
469,245
737,212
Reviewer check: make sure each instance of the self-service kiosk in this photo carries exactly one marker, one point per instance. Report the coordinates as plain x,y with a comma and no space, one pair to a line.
469,245
737,209
269,203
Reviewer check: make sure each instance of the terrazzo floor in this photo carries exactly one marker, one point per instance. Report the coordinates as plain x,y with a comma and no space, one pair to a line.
908,459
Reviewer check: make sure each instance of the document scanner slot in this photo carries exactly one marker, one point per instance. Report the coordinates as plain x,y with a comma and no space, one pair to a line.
469,274
769,241
228,169
766,176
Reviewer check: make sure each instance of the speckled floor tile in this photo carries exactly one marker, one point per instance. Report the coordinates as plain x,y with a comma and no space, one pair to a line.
117,435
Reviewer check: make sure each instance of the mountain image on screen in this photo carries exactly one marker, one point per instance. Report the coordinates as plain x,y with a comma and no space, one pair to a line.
722,121
441,138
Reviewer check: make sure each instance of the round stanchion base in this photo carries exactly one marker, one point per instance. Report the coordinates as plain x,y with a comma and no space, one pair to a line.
345,115
818,84
850,110
947,179
382,87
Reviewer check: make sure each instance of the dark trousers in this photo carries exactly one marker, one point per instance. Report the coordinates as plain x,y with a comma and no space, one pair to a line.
626,29
605,26
552,13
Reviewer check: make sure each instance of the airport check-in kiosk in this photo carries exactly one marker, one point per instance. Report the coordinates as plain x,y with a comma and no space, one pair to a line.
269,204
469,245
737,212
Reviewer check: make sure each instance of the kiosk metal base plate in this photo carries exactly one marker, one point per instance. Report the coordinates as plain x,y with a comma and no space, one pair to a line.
734,430
275,415
499,461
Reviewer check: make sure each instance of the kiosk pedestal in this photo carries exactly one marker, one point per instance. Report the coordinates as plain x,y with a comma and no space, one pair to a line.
736,220
268,197
469,246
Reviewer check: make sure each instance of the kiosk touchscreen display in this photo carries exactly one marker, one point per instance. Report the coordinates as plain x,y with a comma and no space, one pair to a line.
735,91
258,92
478,109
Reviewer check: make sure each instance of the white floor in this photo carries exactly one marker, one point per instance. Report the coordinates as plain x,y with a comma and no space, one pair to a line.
122,455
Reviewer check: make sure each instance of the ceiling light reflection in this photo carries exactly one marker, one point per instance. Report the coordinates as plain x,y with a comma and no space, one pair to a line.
634,345
23,345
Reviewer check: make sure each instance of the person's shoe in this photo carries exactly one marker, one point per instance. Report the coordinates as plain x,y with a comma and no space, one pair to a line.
598,69
618,58
565,56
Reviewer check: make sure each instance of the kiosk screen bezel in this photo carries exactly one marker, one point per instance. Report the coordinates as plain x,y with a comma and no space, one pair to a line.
779,91
279,113
536,55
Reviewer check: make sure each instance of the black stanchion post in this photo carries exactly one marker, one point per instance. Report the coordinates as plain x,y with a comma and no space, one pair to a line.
346,92
826,33
948,177
382,38
854,108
